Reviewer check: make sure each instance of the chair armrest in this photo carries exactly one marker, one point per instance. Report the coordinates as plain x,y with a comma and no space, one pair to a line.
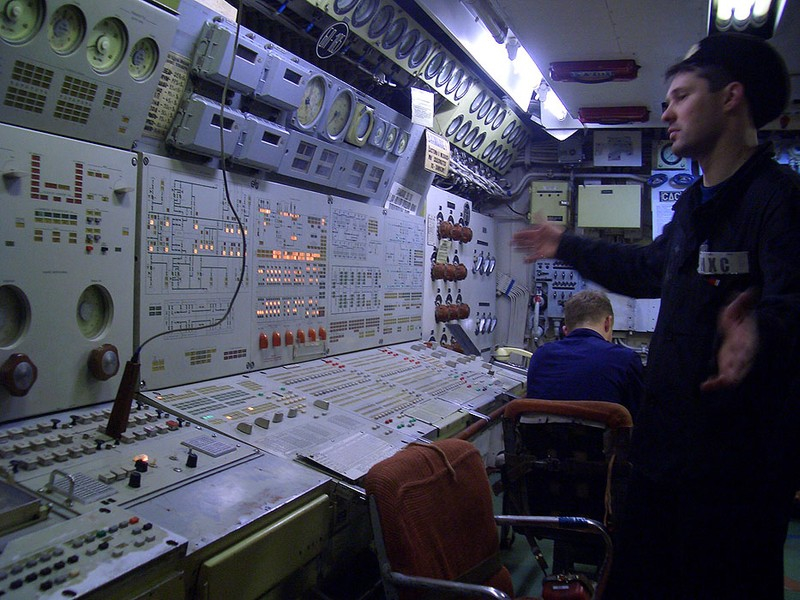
542,523
442,585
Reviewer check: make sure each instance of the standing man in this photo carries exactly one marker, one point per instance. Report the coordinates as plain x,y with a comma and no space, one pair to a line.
586,365
715,447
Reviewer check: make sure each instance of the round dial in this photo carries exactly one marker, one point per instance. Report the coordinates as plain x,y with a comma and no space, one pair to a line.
362,125
365,10
402,142
391,137
339,114
341,7
378,132
406,45
419,53
311,103
14,315
106,45
20,20
668,156
66,29
143,59
94,311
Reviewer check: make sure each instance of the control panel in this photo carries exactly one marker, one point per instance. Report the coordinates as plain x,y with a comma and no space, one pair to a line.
105,552
66,295
80,70
346,412
460,290
68,460
323,275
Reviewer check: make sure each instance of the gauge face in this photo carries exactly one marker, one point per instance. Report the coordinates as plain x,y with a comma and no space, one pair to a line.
668,156
14,315
311,104
476,103
454,82
402,142
435,65
492,113
339,114
498,120
463,88
454,125
378,133
380,22
463,131
20,20
478,142
365,10
66,29
394,33
391,138
471,136
508,130
94,311
419,54
341,7
362,125
445,73
485,107
106,45
143,59
407,44
488,150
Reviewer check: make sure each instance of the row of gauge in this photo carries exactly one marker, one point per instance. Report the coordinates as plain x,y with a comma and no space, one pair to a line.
284,115
474,119
106,42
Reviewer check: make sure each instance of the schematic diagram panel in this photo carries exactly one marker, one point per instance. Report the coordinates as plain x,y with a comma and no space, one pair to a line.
66,292
376,276
322,275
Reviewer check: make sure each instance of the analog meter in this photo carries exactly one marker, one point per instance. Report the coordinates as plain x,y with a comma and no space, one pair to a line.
66,29
311,104
143,59
94,311
106,45
20,20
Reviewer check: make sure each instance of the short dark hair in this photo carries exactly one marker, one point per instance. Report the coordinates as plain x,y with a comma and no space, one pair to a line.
585,307
725,57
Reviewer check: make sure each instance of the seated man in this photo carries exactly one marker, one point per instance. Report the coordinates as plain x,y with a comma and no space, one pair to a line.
586,365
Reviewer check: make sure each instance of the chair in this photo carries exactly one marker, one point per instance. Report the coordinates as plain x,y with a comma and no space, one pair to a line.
434,528
566,458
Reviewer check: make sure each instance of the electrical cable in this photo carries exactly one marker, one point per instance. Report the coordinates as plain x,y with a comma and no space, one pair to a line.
120,412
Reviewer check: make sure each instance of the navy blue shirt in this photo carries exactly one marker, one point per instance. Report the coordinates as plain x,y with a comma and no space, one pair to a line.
584,366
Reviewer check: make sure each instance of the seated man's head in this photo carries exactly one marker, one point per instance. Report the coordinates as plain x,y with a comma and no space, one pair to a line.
589,309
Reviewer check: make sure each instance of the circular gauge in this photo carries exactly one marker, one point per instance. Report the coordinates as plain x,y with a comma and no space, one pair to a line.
500,157
445,73
454,82
143,59
420,53
341,7
494,154
361,127
395,33
380,22
311,103
488,149
492,113
504,163
463,131
20,20
454,125
106,45
402,142
470,137
391,138
477,101
406,44
94,311
339,114
478,142
668,156
498,120
378,133
15,314
463,88
508,130
485,108
365,10
435,65
66,29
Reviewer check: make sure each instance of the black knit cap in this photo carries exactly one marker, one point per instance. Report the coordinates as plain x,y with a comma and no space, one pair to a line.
752,62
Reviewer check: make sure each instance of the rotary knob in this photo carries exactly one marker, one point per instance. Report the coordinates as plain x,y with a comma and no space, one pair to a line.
466,234
18,374
445,228
104,362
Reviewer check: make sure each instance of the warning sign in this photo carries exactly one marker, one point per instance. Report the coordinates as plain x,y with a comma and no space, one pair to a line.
437,154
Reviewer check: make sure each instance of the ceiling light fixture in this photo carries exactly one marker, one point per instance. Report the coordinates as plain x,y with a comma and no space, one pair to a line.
757,17
614,115
594,71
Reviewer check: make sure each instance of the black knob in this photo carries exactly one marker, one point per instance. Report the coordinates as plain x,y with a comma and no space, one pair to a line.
191,460
55,423
135,479
141,466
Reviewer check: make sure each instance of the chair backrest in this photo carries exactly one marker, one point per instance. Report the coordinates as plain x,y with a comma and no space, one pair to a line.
566,457
436,514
